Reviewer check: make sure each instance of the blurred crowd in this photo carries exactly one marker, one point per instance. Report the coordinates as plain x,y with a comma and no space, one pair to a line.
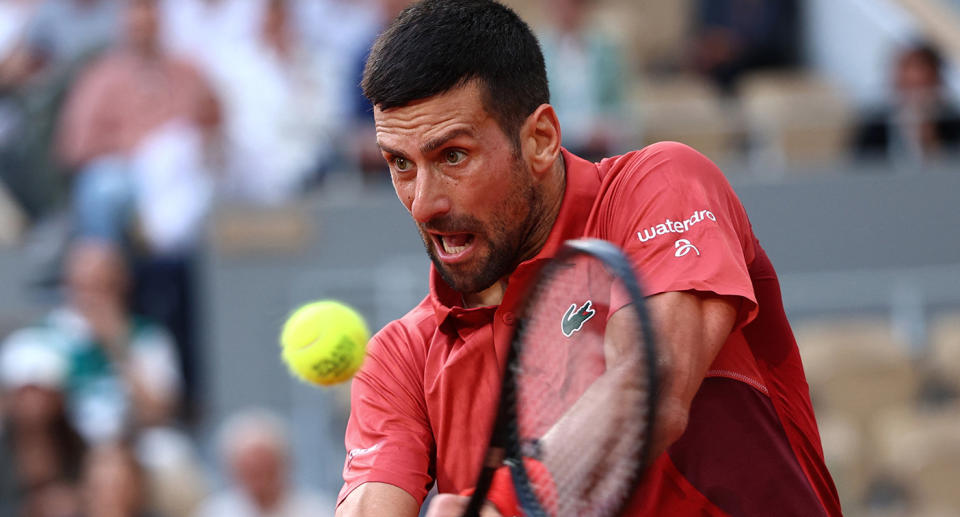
124,122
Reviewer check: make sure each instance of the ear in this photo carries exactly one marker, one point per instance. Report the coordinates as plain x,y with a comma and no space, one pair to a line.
540,139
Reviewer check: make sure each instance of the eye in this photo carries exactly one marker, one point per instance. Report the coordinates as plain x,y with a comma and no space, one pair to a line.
401,164
454,156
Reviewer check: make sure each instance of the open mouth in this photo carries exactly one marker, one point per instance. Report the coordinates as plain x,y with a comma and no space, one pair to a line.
454,246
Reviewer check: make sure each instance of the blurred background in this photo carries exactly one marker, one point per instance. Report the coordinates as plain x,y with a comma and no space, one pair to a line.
177,175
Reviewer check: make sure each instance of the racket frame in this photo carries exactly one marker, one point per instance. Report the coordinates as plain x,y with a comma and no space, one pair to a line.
504,448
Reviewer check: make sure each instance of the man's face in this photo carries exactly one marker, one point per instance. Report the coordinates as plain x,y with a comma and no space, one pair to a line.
915,78
260,469
96,277
459,176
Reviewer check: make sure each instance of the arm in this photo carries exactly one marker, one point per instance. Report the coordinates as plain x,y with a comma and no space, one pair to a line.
692,327
376,499
388,438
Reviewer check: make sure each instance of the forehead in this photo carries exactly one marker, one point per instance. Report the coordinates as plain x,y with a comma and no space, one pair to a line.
421,120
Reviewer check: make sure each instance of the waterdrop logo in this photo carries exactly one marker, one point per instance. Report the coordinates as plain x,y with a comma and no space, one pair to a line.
683,247
671,226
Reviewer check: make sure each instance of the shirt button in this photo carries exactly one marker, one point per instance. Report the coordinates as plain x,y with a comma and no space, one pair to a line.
509,318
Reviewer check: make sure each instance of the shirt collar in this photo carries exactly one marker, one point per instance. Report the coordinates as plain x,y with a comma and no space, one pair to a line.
580,190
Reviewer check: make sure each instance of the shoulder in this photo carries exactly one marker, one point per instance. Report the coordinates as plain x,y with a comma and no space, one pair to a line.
669,182
405,340
665,165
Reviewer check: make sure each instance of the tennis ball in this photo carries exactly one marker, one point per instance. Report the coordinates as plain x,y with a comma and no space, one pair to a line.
324,342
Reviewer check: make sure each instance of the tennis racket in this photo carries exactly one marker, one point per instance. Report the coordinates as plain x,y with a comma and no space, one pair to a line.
578,394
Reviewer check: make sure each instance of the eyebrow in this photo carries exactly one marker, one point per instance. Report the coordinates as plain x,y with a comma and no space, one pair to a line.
431,145
436,143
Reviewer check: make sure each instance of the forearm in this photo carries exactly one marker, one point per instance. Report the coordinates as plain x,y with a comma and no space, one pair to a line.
377,499
691,328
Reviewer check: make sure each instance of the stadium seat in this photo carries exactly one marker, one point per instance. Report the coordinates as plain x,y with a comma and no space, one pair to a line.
795,119
944,356
687,109
654,31
843,451
856,367
922,449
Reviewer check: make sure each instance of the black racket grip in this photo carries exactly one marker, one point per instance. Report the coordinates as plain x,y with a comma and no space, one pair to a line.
496,452
492,462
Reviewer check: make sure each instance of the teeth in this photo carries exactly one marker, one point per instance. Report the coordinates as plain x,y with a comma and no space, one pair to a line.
452,250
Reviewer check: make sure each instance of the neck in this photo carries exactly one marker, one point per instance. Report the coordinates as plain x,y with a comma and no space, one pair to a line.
546,211
145,51
492,295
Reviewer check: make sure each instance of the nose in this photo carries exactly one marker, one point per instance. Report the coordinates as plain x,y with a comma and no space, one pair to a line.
430,197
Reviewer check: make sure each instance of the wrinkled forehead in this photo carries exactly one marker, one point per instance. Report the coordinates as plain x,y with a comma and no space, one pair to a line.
461,108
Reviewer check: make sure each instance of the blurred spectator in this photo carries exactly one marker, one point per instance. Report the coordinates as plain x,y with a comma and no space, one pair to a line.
114,483
254,447
132,93
40,451
141,129
360,145
278,101
50,35
586,76
124,368
732,37
920,121
47,41
176,481
121,372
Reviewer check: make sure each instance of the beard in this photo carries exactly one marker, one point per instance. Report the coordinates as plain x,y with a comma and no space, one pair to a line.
504,237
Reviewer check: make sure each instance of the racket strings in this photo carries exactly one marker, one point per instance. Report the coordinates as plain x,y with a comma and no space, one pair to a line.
580,394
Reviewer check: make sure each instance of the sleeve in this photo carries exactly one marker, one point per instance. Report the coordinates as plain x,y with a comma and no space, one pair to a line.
680,223
388,438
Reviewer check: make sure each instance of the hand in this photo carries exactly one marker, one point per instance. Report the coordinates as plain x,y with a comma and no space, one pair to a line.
109,323
452,505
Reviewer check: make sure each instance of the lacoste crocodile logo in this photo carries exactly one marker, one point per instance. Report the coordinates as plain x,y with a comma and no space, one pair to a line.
574,318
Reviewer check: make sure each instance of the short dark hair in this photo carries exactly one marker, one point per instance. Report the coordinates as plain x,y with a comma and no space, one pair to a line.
434,46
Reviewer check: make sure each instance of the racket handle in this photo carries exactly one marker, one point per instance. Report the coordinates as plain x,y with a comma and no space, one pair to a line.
478,498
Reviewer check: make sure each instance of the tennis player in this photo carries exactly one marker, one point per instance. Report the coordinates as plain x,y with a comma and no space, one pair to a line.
463,119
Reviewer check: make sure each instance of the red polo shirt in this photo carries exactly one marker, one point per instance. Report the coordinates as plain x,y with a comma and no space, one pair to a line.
424,401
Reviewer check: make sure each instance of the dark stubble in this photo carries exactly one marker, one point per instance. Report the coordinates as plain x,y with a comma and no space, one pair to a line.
506,236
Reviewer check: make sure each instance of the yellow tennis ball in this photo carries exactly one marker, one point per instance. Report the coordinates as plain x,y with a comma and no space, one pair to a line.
324,342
